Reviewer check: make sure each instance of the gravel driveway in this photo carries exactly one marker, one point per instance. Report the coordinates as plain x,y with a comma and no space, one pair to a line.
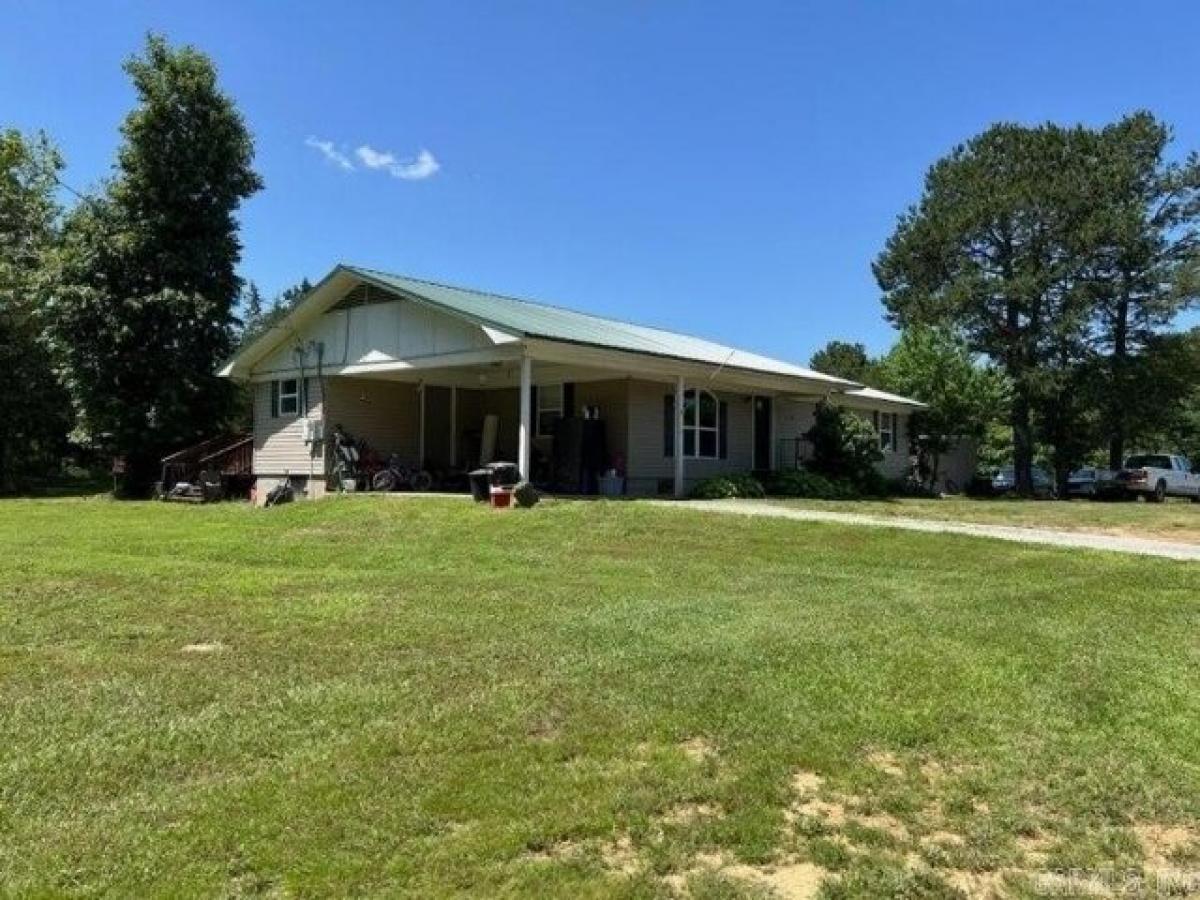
1114,543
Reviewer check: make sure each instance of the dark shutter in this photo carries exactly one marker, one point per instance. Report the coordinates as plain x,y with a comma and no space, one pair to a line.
568,398
668,425
537,419
274,399
723,430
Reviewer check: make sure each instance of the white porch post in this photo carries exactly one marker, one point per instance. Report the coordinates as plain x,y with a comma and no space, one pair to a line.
679,437
453,426
525,430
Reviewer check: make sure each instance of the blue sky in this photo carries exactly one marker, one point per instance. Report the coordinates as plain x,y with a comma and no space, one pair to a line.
729,170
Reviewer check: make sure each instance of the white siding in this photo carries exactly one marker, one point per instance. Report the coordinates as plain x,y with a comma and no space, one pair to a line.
648,465
279,446
379,332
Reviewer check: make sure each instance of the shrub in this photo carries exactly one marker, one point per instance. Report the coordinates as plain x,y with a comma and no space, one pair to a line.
844,446
803,483
728,487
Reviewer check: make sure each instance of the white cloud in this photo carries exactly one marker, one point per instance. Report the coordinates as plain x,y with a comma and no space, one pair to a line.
417,169
374,159
328,150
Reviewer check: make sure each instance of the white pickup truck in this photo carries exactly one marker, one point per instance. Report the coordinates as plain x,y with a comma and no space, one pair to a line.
1157,476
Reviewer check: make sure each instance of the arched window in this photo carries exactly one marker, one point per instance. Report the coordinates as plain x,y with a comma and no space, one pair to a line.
705,429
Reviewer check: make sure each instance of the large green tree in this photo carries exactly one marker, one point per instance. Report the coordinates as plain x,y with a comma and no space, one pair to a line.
1144,274
144,310
35,411
961,396
842,359
997,249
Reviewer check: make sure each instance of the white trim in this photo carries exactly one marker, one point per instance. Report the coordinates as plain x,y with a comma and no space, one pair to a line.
294,396
697,429
679,392
525,429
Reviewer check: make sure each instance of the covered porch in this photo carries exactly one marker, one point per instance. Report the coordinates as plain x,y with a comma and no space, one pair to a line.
566,414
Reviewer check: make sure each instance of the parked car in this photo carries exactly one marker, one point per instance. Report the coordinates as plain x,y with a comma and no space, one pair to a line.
1091,482
1157,476
1005,481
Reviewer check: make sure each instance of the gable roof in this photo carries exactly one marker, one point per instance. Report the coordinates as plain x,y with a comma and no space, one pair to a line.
530,318
533,319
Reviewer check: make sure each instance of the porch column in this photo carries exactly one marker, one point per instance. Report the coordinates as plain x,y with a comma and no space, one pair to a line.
679,437
525,429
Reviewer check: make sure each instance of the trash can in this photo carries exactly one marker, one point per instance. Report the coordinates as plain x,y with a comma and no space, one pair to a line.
481,484
504,474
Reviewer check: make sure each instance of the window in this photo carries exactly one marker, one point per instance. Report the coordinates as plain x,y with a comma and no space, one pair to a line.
287,397
886,424
549,408
704,420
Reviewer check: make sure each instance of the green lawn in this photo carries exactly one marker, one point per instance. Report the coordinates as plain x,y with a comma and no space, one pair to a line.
1177,519
430,698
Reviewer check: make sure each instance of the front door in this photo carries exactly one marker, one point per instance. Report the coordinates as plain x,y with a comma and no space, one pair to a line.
762,433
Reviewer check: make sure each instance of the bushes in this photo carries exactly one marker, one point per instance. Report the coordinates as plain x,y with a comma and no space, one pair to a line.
794,483
845,446
729,487
813,485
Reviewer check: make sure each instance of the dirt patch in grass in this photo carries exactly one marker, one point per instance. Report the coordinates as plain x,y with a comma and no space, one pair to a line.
621,856
887,763
698,749
1163,844
691,813
786,880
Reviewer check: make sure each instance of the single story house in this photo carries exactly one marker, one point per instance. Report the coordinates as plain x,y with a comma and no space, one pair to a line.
449,377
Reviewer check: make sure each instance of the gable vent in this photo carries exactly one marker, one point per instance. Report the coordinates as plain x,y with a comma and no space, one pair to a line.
364,295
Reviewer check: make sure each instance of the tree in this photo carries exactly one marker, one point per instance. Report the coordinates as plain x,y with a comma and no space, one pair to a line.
1144,275
843,360
961,397
996,250
254,309
1170,370
844,445
147,278
35,411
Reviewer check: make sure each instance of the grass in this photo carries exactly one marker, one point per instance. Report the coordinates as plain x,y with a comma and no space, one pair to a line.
1177,519
429,698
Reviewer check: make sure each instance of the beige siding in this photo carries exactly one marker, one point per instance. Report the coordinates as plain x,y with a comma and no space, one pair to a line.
505,404
279,446
612,398
793,419
385,414
647,463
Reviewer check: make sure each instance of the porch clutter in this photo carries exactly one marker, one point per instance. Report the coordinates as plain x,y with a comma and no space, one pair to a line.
493,475
211,470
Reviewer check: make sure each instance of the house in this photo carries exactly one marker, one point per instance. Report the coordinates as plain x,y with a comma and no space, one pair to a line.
449,376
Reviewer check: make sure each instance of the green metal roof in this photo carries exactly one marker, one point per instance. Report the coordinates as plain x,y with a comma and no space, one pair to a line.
528,318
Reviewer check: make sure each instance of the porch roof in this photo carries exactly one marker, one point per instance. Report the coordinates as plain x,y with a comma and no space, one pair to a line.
528,318
509,319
